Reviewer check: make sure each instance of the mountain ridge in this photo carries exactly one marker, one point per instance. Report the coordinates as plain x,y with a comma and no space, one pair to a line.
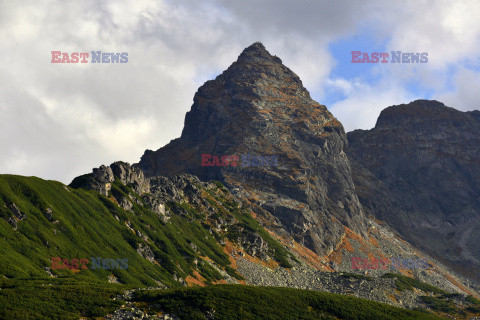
424,161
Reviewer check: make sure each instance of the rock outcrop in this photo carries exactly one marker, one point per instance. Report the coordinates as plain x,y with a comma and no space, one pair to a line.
103,176
183,194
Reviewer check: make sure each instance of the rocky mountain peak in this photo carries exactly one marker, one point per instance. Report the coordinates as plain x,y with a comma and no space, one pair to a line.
255,75
417,112
259,107
252,62
419,170
257,52
255,89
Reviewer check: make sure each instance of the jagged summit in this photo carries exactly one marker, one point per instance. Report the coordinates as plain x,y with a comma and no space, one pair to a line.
257,53
257,88
256,47
258,106
253,71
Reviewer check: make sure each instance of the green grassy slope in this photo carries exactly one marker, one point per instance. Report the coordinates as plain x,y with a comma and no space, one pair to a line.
244,302
57,299
71,299
84,226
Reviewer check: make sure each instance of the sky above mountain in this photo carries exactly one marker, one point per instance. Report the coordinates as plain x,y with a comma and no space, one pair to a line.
59,120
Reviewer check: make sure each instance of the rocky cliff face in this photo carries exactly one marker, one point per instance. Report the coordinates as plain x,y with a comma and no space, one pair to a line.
258,108
419,170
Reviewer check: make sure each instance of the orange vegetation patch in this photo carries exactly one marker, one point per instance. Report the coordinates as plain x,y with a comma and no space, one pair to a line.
195,280
220,282
368,246
401,240
371,256
305,254
455,282
228,249
272,264
344,244
392,297
336,257
111,198
374,241
407,272
381,256
352,235
310,257
206,259
265,111
347,246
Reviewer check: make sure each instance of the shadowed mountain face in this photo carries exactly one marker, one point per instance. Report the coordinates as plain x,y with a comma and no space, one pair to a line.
259,107
419,170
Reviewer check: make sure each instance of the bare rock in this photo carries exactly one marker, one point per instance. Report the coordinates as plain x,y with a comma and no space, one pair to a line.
145,252
16,212
126,204
13,222
48,213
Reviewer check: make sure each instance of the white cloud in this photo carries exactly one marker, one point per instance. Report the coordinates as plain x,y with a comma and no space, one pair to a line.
60,120
447,30
466,94
345,86
364,103
95,114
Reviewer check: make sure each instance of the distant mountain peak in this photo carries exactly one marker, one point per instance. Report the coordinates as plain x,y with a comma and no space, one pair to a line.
419,170
417,111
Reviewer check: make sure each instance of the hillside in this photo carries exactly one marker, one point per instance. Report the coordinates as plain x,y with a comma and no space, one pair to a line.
177,247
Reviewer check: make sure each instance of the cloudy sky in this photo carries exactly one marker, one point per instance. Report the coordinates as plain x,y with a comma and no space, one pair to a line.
58,121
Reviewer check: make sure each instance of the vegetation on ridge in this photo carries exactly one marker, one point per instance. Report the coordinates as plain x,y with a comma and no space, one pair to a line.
267,303
185,245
